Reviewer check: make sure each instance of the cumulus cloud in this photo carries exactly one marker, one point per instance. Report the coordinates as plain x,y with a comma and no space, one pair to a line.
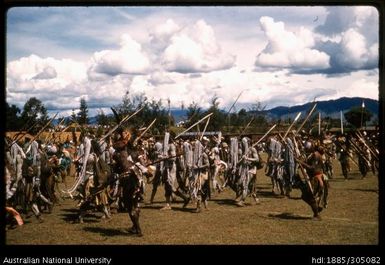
161,34
129,59
26,68
350,36
43,78
33,70
337,20
186,60
340,19
286,49
194,50
355,50
110,91
347,41
48,73
160,78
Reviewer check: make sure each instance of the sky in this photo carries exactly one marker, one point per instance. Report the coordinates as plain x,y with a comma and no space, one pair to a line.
278,56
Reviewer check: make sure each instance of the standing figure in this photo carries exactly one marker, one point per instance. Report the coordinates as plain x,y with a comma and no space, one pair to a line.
343,156
188,162
233,163
255,162
246,164
129,178
224,154
314,170
199,180
290,165
274,163
169,177
17,156
217,168
156,154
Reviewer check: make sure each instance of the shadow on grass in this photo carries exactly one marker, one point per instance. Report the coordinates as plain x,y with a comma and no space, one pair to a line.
152,207
224,201
186,210
289,216
336,180
106,231
70,217
231,202
70,210
295,198
74,217
269,194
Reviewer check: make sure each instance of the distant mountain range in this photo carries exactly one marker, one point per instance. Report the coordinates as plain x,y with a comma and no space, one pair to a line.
330,108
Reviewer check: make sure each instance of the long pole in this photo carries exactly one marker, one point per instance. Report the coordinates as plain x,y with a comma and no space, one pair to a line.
141,135
57,133
204,129
342,124
20,134
319,123
362,139
49,135
297,154
307,117
169,113
120,124
247,126
228,112
41,130
292,124
373,146
189,128
264,135
234,102
362,112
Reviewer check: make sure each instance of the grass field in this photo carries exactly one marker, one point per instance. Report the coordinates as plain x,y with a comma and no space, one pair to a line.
351,218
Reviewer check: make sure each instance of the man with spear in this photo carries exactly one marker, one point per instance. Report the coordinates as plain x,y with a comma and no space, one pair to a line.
249,156
198,178
314,188
169,177
128,166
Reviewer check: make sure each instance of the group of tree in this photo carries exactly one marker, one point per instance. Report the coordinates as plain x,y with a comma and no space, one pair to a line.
149,111
33,116
358,116
226,121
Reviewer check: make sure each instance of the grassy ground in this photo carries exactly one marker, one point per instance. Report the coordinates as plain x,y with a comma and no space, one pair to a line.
351,218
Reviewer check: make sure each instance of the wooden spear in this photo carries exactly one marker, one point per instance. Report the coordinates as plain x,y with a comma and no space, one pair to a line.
189,128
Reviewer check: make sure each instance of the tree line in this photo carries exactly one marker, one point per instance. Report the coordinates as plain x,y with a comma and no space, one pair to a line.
33,116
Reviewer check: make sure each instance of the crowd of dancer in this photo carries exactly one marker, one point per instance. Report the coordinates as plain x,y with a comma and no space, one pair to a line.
113,170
